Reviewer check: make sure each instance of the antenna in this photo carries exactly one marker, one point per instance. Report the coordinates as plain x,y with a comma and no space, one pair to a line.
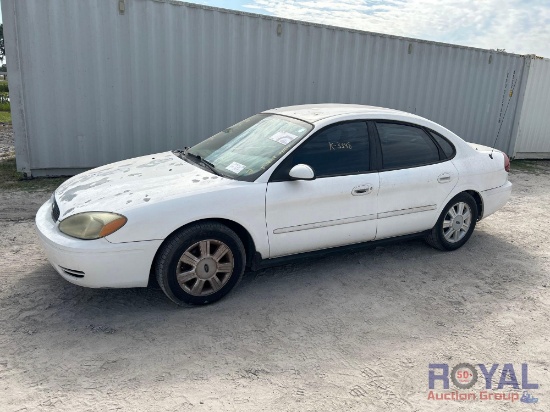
503,116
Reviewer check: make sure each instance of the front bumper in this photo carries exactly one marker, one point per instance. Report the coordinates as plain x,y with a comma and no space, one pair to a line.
494,199
95,263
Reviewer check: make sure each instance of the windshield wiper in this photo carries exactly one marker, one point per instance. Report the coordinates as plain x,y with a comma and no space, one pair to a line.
180,152
210,166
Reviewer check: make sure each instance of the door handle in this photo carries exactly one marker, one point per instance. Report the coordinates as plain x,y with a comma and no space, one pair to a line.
361,190
444,178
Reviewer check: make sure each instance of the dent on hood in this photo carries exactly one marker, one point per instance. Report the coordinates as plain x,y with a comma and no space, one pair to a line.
117,186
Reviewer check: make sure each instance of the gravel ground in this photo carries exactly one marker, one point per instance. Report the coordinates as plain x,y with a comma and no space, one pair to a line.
6,141
355,331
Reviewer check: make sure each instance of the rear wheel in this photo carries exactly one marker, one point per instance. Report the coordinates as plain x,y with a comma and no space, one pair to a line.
200,264
455,224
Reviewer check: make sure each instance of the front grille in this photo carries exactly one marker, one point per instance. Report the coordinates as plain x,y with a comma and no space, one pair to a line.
73,272
55,210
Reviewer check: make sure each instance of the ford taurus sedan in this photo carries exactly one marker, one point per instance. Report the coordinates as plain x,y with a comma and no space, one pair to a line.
280,184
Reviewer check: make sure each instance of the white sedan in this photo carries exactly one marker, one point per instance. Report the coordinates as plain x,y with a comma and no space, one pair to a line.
285,182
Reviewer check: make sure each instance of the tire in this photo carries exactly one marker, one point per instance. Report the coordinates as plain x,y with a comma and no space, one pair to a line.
200,264
451,234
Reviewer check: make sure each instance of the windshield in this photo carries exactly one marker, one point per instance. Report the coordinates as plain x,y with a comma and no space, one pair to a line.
244,151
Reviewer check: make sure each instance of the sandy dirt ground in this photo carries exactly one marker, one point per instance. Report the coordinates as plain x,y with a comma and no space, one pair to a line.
354,331
6,141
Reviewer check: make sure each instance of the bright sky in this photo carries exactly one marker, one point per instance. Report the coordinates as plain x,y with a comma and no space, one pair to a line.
518,26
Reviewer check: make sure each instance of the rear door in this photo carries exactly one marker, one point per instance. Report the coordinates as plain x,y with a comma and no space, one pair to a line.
416,176
338,207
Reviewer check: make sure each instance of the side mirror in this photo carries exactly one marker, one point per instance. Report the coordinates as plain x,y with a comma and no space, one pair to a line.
301,172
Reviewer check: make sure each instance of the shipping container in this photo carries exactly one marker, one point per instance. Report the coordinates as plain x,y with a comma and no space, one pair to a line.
533,135
95,81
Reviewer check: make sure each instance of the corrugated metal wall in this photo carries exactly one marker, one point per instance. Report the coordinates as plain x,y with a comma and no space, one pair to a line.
533,137
97,86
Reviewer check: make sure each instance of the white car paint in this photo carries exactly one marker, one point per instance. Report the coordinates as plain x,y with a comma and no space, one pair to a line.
309,215
151,188
121,265
420,191
161,193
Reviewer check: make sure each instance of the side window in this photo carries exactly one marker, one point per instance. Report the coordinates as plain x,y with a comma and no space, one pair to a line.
339,150
405,146
447,147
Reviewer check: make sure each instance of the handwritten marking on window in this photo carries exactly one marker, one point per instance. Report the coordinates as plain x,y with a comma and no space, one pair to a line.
339,145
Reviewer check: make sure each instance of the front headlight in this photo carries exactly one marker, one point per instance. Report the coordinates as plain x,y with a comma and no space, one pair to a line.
92,225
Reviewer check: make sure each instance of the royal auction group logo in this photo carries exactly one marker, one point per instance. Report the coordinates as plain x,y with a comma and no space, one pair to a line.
465,375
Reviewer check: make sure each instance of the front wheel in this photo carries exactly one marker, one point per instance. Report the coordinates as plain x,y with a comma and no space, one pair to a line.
455,224
200,264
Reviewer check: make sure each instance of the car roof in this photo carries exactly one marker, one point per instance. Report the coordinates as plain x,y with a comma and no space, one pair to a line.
315,112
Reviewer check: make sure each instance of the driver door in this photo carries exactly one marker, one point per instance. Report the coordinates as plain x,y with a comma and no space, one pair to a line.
338,207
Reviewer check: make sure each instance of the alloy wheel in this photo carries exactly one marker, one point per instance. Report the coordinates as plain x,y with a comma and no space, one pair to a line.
205,267
457,222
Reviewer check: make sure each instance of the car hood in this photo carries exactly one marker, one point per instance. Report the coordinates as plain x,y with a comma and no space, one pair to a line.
134,182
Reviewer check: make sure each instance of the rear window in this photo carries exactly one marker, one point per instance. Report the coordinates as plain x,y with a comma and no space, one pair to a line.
447,147
405,146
